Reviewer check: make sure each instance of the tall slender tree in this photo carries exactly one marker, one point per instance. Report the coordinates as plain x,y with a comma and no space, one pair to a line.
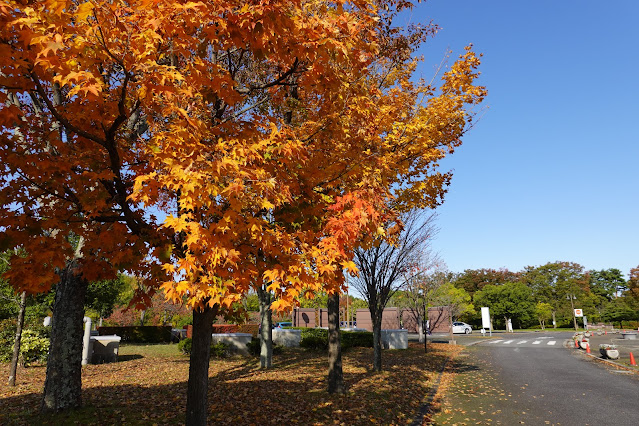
384,264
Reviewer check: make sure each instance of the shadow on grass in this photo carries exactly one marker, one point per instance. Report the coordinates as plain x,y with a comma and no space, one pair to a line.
294,390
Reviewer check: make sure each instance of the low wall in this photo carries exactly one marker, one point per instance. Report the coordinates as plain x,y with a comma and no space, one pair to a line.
287,337
236,341
395,339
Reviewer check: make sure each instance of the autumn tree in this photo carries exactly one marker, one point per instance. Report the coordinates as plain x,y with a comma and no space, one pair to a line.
254,129
111,109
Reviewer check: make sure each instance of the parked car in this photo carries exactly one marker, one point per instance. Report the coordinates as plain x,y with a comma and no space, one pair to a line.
462,327
284,324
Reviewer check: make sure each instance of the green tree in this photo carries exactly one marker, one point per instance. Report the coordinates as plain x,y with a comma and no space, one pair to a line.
509,301
102,296
624,308
473,280
457,299
543,311
607,282
559,284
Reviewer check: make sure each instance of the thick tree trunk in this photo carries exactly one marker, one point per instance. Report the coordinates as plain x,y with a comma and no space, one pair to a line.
335,373
266,329
198,385
63,383
18,339
554,320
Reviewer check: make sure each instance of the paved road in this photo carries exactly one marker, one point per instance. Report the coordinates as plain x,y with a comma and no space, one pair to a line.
531,384
527,341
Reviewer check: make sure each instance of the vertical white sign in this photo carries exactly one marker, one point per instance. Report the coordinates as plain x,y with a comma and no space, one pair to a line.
485,318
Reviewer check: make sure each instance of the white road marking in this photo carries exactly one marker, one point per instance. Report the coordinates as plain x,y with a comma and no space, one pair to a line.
536,342
508,341
495,341
522,342
552,342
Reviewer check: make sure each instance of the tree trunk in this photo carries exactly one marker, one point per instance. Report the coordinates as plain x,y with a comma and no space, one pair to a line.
63,383
266,328
425,332
198,385
376,318
18,339
335,373
554,320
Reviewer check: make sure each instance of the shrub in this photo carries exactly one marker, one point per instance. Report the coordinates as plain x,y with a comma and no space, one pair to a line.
317,339
218,350
139,334
254,347
314,338
185,346
30,332
33,347
357,339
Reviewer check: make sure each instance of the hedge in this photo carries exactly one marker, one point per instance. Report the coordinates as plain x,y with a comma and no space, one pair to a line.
317,338
218,350
224,328
249,329
139,334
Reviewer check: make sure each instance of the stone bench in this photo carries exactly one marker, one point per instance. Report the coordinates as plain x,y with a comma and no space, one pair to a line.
104,349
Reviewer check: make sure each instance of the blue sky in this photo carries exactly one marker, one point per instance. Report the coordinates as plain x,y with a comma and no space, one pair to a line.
550,171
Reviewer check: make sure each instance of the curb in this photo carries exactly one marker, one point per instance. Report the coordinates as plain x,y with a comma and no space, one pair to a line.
612,363
604,360
425,408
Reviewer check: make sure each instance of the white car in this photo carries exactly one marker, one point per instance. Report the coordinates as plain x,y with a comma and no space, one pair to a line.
462,327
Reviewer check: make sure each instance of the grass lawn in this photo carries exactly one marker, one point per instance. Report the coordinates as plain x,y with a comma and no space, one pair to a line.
148,386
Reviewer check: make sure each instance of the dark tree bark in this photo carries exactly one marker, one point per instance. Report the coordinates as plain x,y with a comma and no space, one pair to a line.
63,383
425,330
18,339
266,330
376,317
335,373
198,385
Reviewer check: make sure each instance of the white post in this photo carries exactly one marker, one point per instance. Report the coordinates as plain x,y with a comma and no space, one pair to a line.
86,340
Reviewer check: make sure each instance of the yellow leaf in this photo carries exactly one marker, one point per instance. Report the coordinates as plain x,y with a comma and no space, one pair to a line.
280,305
84,10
